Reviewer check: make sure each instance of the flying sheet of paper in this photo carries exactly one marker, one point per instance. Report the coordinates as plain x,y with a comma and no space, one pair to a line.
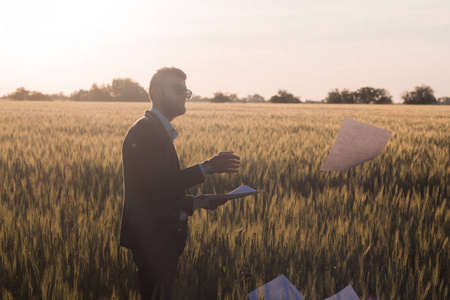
355,143
346,294
279,288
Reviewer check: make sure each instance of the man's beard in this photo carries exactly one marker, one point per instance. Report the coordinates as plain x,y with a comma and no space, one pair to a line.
173,108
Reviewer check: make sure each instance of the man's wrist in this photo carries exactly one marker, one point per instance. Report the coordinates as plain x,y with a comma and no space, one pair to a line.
207,167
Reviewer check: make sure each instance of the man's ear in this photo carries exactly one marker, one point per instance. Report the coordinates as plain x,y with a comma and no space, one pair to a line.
156,93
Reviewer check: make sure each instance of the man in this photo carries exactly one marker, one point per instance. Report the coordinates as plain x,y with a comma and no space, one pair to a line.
154,220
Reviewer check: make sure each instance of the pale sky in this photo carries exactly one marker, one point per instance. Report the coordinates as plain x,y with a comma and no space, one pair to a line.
235,46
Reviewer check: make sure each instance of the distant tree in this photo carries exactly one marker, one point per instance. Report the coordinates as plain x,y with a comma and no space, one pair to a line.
97,93
284,97
125,89
444,100
233,97
80,95
38,96
421,95
334,96
220,97
255,98
384,97
59,96
347,96
367,95
20,94
197,98
23,94
364,95
120,90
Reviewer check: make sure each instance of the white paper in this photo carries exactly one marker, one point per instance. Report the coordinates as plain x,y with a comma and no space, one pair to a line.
242,191
355,144
346,294
278,289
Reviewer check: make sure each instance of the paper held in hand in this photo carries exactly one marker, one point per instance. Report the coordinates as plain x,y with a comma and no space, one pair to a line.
355,143
242,191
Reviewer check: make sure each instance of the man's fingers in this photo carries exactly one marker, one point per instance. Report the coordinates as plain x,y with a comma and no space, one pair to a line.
225,162
228,155
214,205
226,152
230,163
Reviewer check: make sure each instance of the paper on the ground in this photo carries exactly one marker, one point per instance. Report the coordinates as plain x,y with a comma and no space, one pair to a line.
355,143
279,288
346,294
242,191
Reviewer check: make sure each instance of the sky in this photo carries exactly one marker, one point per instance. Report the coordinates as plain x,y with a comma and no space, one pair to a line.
245,47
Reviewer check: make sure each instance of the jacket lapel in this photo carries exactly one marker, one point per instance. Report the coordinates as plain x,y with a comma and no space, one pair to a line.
168,144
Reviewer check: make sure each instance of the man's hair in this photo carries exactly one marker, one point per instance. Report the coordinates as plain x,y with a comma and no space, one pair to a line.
161,75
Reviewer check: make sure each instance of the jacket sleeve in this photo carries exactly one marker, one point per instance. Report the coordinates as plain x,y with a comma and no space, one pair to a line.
144,151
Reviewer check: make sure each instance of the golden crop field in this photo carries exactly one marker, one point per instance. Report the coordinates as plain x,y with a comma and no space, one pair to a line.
382,227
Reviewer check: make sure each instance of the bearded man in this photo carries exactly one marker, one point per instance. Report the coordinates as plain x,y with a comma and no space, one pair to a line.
156,208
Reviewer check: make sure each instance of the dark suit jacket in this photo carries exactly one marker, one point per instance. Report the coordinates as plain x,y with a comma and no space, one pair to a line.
154,188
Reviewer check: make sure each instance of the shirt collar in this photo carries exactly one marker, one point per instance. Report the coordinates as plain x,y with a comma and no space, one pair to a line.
171,131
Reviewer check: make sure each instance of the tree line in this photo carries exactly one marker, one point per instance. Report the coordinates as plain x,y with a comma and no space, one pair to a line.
121,89
127,90
423,94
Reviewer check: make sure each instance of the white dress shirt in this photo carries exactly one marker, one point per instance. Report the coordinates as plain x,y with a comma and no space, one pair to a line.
173,133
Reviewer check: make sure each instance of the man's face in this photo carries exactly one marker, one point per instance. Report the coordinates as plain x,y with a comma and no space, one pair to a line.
173,97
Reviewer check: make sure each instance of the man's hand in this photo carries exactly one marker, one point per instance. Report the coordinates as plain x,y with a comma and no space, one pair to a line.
203,201
214,204
225,162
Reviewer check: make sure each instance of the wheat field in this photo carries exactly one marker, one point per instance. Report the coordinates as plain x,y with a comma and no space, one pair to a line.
382,227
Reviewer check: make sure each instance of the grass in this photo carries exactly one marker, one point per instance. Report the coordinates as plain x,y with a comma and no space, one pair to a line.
382,227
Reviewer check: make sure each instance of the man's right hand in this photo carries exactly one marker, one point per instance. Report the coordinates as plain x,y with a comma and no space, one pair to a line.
225,162
203,201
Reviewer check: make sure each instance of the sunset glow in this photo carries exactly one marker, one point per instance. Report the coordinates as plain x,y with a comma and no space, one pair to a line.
306,47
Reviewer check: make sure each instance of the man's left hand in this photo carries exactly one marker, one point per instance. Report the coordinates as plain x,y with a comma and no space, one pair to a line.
224,162
214,204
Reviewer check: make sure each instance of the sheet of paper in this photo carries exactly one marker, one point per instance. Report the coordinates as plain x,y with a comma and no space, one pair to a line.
355,144
346,294
242,191
278,289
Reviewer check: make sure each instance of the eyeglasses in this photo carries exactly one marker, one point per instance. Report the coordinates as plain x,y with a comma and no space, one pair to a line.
180,90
